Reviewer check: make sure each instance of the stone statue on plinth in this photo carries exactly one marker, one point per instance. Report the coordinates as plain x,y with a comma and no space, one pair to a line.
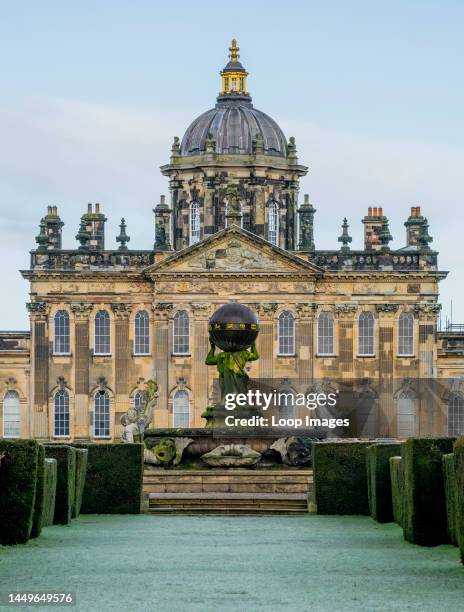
137,419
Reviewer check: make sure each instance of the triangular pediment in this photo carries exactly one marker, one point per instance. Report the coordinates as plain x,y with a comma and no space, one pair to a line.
234,250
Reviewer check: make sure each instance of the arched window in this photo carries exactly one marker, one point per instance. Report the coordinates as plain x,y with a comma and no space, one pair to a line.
142,333
406,423
181,409
102,333
286,333
62,343
11,415
366,334
61,418
406,334
139,400
456,415
181,343
194,222
273,223
325,334
101,415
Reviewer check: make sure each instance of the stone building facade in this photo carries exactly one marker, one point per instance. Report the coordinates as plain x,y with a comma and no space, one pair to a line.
103,322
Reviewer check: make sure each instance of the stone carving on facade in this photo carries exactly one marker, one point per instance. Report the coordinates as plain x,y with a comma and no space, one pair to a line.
267,309
162,310
346,309
137,419
121,310
37,309
386,308
11,383
81,310
231,455
427,311
305,310
236,256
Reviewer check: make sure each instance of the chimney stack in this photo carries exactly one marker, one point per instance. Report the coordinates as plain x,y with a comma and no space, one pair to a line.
95,226
52,228
372,226
414,227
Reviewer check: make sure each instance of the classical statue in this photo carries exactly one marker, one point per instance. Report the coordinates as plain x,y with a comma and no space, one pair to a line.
136,420
231,368
234,329
233,203
160,234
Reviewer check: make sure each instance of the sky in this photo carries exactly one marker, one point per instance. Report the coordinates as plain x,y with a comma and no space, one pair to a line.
92,94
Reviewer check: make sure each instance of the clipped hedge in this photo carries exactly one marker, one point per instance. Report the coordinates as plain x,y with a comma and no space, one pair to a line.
424,519
114,479
39,494
81,471
378,480
340,477
50,480
18,480
459,468
451,494
397,489
66,480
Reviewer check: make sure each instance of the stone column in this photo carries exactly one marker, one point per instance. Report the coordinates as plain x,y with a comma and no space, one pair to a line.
304,343
82,363
209,226
40,366
430,418
387,417
162,358
202,312
122,359
265,343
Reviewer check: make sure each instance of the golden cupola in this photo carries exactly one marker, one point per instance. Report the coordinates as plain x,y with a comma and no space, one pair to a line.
234,75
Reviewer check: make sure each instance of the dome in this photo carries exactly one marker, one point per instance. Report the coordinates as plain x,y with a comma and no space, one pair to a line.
233,124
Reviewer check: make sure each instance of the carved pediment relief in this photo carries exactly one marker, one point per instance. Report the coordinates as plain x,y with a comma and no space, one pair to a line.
233,250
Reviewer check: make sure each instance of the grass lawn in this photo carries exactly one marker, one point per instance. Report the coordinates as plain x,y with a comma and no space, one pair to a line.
175,563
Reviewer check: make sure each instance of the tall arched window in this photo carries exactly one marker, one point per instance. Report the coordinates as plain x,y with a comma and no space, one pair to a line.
286,333
406,334
61,413
102,333
101,415
181,409
406,424
139,400
273,222
325,334
194,222
142,333
366,334
11,415
61,324
181,343
456,415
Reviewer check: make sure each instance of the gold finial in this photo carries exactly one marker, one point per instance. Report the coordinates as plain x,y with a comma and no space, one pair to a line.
234,51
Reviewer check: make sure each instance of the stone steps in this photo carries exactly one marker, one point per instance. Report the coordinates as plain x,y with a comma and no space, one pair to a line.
233,491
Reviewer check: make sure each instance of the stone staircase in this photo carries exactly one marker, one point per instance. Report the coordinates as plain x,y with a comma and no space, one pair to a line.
233,491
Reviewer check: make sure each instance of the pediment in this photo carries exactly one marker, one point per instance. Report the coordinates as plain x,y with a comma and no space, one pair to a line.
234,250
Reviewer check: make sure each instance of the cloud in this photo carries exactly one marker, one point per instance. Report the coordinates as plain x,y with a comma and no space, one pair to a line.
69,153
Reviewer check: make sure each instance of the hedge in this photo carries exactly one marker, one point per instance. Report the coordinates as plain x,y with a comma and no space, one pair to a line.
66,480
18,478
39,494
424,519
340,478
378,480
50,479
451,494
397,489
114,479
81,471
459,467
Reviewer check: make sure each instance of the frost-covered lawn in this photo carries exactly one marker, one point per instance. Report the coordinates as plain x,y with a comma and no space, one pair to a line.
306,563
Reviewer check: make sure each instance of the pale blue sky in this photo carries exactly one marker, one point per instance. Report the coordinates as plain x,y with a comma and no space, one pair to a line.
93,92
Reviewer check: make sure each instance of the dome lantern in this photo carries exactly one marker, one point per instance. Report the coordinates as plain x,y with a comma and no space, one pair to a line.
233,76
